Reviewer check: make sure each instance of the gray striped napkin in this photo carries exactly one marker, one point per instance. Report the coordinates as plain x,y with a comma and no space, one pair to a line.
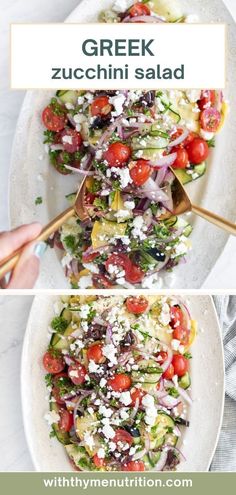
225,455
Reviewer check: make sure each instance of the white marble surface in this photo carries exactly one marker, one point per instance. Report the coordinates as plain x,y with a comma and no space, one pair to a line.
224,273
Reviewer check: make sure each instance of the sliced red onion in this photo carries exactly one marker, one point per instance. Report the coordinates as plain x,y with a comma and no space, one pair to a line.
79,170
151,191
168,360
167,160
139,454
144,18
168,401
178,452
184,394
123,359
162,461
68,360
109,335
135,409
107,134
179,139
75,266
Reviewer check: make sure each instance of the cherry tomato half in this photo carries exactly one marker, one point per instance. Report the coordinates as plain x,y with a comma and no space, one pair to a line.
198,151
56,389
169,373
87,258
162,357
182,334
117,154
53,364
101,281
140,172
134,274
180,364
52,121
123,436
119,382
176,316
207,99
187,140
71,140
210,119
77,373
134,466
100,106
136,394
99,461
139,9
119,260
66,420
94,353
136,305
181,160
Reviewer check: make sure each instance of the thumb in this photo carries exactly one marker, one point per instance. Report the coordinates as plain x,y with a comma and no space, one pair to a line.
26,271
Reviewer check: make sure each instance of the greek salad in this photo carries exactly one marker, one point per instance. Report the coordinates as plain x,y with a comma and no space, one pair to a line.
119,380
123,143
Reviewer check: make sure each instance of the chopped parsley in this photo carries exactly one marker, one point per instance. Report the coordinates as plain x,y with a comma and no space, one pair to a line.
38,200
59,324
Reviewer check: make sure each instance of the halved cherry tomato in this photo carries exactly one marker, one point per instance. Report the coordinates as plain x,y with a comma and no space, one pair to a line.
119,260
77,373
52,363
101,281
207,99
136,305
169,373
134,274
186,141
162,357
181,160
134,466
66,420
94,353
56,389
198,151
99,461
87,258
122,436
120,382
136,394
139,9
182,334
100,106
52,121
180,364
71,140
140,172
210,119
176,316
117,154
89,198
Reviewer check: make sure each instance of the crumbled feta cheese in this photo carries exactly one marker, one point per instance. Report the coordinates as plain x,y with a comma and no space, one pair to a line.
85,282
108,431
123,174
123,414
109,351
84,311
129,205
125,398
101,453
117,101
89,440
93,367
91,267
148,400
105,411
120,6
175,344
102,382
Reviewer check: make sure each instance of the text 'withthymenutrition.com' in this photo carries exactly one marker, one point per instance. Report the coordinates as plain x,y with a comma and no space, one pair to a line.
126,482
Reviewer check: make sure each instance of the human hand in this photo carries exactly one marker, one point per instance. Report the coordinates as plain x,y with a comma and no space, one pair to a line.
26,271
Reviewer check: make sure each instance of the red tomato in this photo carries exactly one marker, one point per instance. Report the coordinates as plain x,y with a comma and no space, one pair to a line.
176,316
74,140
169,373
162,357
135,394
187,140
181,160
52,363
94,353
139,9
140,172
134,466
134,275
180,364
136,305
52,121
98,461
207,99
66,420
77,373
87,258
56,388
198,151
182,334
100,106
89,198
119,260
117,154
122,436
210,119
101,281
119,382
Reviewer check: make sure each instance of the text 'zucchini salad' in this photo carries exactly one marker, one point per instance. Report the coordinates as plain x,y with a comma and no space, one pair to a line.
124,142
118,377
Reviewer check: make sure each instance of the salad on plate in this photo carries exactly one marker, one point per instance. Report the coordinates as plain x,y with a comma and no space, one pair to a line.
123,143
119,381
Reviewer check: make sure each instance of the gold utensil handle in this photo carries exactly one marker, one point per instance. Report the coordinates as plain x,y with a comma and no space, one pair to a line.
9,263
220,222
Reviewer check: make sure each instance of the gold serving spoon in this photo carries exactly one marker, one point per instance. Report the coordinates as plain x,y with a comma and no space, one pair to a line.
183,204
7,264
